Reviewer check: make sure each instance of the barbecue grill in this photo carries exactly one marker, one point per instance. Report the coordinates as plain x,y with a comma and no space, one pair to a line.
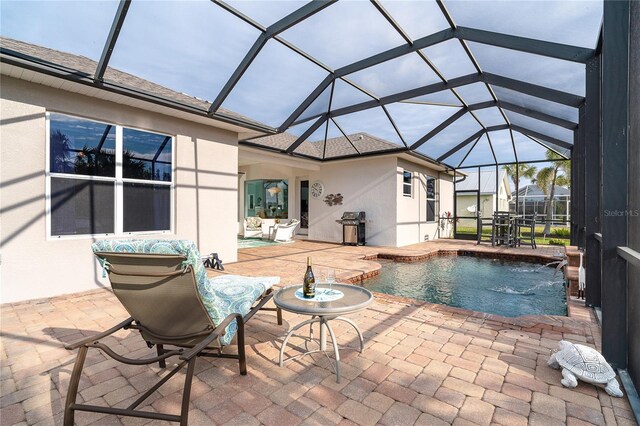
353,228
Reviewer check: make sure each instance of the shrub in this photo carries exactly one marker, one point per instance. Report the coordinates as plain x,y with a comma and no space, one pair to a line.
555,242
561,232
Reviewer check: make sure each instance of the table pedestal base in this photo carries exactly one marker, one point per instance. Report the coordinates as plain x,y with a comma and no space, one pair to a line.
322,342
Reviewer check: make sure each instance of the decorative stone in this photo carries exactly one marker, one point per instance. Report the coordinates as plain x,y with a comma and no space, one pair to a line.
584,363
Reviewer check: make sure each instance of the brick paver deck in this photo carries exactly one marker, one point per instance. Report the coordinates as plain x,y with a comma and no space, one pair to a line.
422,363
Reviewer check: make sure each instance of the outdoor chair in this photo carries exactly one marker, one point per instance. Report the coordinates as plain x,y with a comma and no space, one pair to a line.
252,227
284,232
502,229
163,286
529,225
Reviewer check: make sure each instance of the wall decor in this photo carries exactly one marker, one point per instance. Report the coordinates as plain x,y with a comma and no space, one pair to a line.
333,199
317,189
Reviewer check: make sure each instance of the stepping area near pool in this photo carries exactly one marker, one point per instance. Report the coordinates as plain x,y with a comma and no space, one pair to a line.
422,363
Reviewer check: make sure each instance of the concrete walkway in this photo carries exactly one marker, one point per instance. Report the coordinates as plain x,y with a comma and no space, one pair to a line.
422,364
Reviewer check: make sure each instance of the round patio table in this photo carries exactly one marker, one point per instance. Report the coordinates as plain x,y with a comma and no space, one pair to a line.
354,299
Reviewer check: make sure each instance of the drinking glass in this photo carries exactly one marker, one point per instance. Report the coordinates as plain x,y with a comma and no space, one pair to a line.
330,277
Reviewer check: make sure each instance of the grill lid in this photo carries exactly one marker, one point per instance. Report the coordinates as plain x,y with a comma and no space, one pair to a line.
352,218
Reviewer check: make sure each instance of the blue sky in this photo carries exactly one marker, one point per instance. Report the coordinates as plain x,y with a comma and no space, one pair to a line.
194,46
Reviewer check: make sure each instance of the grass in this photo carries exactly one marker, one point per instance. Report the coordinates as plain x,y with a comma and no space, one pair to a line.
558,236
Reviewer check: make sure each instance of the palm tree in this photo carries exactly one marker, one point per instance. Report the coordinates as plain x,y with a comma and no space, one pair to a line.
559,173
60,148
523,170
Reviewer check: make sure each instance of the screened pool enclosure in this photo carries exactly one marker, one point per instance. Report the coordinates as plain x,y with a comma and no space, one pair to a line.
463,84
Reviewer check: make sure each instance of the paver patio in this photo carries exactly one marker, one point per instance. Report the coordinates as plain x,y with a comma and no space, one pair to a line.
422,363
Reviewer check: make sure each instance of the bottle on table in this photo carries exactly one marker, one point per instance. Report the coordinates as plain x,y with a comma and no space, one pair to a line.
309,282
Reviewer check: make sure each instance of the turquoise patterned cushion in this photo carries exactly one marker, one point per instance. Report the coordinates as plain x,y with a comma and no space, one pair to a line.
235,293
221,296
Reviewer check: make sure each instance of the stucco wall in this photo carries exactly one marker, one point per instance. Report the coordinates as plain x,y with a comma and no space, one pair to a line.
412,211
367,185
33,266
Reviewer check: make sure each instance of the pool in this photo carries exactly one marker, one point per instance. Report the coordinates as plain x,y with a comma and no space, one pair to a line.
493,286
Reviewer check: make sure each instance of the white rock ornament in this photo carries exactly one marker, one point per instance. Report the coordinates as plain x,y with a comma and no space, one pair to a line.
584,363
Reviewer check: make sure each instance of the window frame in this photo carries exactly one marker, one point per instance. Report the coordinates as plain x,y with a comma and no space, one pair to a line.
434,199
118,181
264,197
405,184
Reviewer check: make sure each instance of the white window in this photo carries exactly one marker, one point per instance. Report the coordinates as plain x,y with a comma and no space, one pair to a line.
431,199
407,183
104,179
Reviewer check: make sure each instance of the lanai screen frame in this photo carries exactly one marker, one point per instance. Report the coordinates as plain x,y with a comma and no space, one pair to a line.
464,35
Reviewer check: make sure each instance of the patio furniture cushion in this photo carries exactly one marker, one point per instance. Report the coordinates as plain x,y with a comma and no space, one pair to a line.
219,297
254,222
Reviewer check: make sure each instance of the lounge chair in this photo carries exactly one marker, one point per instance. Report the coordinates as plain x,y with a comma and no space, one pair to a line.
252,227
163,286
284,232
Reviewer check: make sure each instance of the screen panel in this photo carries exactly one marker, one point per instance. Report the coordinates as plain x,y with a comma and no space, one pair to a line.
146,207
86,25
343,33
502,146
539,126
474,93
451,136
395,76
370,124
344,94
417,18
450,58
275,84
192,50
569,22
266,12
82,207
536,104
489,117
480,154
416,120
541,70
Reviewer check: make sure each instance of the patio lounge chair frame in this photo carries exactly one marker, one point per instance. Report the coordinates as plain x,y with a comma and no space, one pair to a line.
189,346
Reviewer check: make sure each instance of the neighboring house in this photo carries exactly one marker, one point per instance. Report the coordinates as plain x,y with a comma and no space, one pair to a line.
80,163
531,199
491,200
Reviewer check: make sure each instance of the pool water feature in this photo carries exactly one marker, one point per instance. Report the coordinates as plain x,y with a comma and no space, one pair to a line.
493,286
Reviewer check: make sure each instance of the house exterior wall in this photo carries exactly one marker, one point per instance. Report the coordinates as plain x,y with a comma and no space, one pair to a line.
372,185
368,185
34,265
412,222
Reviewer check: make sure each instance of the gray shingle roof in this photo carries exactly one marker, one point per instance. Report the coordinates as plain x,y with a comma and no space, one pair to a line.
88,66
336,147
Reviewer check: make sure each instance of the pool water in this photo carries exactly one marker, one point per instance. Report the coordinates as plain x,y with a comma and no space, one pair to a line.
493,286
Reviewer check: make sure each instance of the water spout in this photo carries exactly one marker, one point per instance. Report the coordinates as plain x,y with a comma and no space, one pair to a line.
560,263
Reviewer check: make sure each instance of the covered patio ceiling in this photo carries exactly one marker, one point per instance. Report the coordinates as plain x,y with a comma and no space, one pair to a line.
462,83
